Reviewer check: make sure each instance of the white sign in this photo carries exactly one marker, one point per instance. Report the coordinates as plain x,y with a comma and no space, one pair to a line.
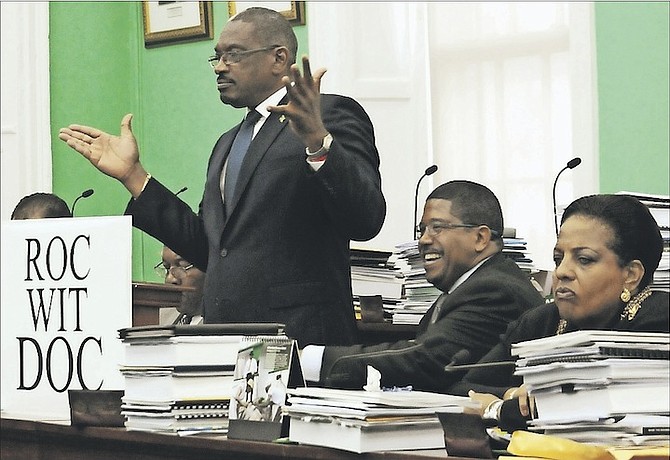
66,291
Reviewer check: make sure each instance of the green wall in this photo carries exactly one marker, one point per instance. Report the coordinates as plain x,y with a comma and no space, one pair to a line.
100,70
632,49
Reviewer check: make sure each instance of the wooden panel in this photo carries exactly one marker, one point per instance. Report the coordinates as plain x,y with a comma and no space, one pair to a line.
21,439
149,298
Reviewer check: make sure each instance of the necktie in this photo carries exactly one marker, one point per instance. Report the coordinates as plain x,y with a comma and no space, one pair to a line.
236,156
438,306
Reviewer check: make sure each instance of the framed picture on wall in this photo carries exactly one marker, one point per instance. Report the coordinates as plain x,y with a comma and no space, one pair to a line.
176,22
293,11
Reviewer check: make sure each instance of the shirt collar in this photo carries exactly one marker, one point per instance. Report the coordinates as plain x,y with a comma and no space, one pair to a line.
466,275
274,99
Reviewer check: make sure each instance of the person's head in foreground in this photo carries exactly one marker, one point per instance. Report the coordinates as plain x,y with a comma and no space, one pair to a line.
40,205
607,251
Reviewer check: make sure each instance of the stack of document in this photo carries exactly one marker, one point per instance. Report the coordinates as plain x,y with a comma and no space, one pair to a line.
372,275
370,421
659,207
599,387
179,378
419,293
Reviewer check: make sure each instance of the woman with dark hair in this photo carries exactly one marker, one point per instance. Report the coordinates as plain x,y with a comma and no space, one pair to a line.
607,251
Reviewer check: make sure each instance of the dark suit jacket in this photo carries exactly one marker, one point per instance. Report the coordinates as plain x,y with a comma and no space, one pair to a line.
282,255
543,322
472,317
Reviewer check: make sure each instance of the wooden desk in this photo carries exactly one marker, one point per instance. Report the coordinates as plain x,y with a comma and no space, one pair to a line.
23,439
149,298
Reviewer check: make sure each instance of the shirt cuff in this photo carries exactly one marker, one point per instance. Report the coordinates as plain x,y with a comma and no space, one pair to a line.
315,165
310,359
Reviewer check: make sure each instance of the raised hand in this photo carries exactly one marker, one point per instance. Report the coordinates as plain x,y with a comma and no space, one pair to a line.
304,107
116,156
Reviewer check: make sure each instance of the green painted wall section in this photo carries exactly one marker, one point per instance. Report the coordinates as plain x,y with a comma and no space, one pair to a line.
632,60
100,70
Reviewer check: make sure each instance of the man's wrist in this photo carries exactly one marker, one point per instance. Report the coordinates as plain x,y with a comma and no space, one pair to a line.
322,151
492,411
137,181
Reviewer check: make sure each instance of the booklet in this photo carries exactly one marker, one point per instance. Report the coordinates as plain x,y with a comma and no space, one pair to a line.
266,367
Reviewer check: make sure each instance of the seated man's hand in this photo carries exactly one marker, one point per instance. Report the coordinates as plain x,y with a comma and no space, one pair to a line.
484,400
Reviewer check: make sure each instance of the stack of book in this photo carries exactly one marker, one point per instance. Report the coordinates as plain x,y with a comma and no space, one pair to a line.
369,421
516,248
599,387
179,378
419,293
372,275
659,206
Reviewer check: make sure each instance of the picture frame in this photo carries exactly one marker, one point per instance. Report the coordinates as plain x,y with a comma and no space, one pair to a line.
169,22
294,11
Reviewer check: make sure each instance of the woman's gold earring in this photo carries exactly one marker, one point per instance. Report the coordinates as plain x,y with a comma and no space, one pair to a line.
625,295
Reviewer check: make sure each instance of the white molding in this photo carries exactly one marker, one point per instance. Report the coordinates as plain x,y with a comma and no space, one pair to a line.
377,53
584,102
26,124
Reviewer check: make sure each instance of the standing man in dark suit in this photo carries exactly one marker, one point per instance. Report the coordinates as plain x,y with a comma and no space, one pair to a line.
275,246
461,246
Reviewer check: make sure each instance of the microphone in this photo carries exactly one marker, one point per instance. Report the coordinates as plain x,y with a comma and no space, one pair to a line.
463,356
429,170
84,194
571,165
181,190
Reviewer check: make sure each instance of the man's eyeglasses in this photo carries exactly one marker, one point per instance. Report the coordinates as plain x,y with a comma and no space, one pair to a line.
233,57
176,271
435,228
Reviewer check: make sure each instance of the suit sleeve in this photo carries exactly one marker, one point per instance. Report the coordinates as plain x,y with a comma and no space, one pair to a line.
349,180
537,322
158,212
481,312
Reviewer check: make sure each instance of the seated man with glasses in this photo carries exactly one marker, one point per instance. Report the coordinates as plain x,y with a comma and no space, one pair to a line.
461,246
178,271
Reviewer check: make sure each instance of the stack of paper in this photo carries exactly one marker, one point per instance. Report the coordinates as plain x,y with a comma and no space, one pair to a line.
588,382
419,293
179,378
370,421
659,206
371,275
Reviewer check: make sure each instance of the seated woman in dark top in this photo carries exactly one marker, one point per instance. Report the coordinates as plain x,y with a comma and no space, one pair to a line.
607,251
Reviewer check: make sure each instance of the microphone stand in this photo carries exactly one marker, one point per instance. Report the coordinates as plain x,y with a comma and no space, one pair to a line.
429,171
571,165
84,194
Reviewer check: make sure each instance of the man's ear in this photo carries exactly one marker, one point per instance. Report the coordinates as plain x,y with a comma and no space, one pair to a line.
281,60
633,275
483,238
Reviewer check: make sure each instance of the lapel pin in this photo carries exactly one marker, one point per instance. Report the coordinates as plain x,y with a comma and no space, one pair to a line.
282,118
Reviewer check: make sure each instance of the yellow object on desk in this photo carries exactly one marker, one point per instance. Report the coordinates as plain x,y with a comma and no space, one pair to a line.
533,446
525,443
620,453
